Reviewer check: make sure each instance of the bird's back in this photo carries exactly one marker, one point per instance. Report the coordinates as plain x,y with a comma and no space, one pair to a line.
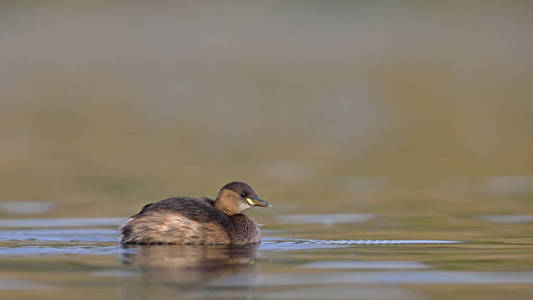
181,220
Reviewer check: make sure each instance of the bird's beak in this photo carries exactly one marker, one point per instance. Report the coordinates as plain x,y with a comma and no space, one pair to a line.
257,202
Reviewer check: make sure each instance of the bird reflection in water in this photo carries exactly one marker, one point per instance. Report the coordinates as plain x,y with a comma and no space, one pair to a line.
189,267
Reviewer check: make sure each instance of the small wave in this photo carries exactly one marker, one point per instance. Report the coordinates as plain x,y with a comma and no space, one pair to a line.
60,250
303,244
61,222
63,235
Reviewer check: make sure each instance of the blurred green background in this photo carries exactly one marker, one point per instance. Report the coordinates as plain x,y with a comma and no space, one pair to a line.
414,107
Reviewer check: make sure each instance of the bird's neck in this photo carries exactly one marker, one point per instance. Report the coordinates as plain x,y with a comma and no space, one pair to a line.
245,230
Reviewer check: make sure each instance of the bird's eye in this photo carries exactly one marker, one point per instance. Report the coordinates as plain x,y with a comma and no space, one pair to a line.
243,194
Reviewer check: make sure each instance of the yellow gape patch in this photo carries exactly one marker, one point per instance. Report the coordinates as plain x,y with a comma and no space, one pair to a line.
250,201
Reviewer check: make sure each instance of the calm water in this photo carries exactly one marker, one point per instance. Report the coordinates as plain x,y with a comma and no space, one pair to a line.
62,258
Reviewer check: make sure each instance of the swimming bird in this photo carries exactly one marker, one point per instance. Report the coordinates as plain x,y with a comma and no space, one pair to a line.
198,221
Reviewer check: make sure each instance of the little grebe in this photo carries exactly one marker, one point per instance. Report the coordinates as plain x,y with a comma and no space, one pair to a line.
197,221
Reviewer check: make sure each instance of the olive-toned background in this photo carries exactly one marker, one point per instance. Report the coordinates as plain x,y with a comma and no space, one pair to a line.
378,107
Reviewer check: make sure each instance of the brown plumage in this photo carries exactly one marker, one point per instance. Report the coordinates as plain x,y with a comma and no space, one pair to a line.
197,221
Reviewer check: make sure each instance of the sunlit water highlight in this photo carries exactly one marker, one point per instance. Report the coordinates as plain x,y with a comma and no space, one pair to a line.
387,277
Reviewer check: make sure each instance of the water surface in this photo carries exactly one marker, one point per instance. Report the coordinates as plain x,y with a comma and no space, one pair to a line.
60,257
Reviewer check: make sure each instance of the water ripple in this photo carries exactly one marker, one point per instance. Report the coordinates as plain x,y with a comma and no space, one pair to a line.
303,244
378,277
327,219
350,264
65,235
62,222
60,250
